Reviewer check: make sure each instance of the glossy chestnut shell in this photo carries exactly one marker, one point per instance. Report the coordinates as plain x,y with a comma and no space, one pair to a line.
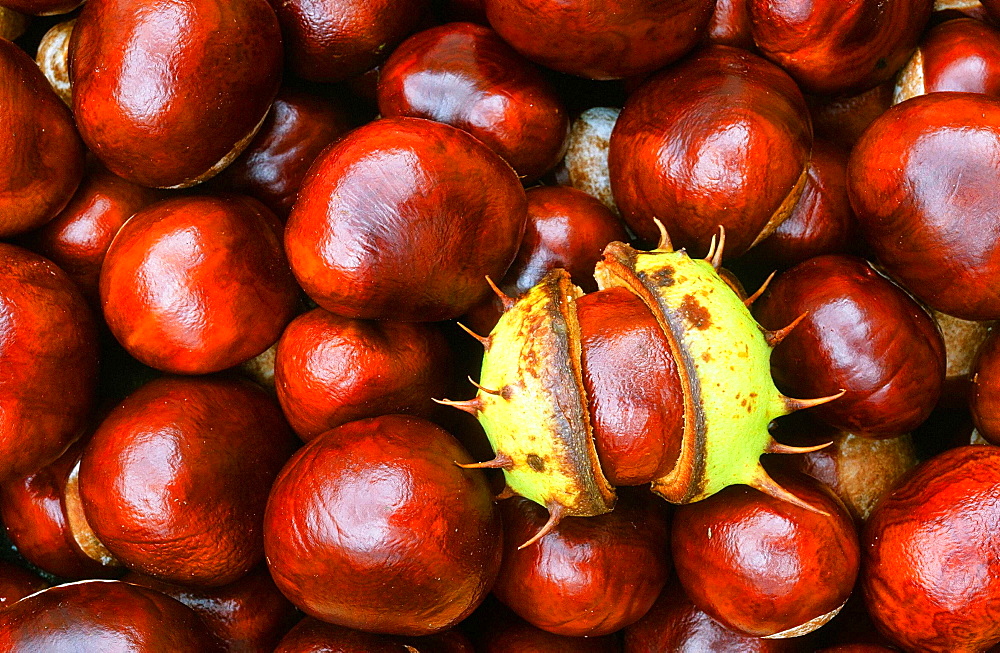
572,581
675,154
600,39
43,154
175,480
403,219
957,55
922,184
161,291
17,583
860,334
330,370
931,548
94,614
372,526
466,76
48,353
763,566
984,398
167,93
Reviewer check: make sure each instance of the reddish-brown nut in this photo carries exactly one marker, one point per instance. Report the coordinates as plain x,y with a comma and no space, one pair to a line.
861,334
600,39
763,566
42,7
48,354
832,48
984,398
636,409
330,370
822,221
932,576
842,120
175,479
957,55
572,581
43,155
315,636
675,624
333,40
730,24
93,615
162,290
78,239
508,633
248,616
298,127
722,138
466,76
922,181
17,583
34,511
166,94
403,219
373,526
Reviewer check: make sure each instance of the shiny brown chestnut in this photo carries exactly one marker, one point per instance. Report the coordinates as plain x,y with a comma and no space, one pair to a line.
763,566
466,76
77,240
48,353
675,624
575,581
17,583
92,615
43,154
195,285
175,480
831,48
932,577
984,398
403,219
860,334
167,94
957,55
922,184
722,138
334,40
730,24
600,39
822,221
372,525
35,512
299,126
330,370
248,616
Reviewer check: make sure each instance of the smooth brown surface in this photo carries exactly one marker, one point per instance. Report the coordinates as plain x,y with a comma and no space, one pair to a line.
760,565
164,91
102,615
78,239
837,48
175,480
719,139
198,284
984,395
403,219
41,150
730,24
961,55
17,583
330,370
575,581
33,510
333,40
48,354
298,127
248,616
861,334
675,624
466,76
822,221
632,387
600,39
931,549
373,526
922,181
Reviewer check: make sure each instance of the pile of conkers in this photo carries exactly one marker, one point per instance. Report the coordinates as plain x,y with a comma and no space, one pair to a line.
499,325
